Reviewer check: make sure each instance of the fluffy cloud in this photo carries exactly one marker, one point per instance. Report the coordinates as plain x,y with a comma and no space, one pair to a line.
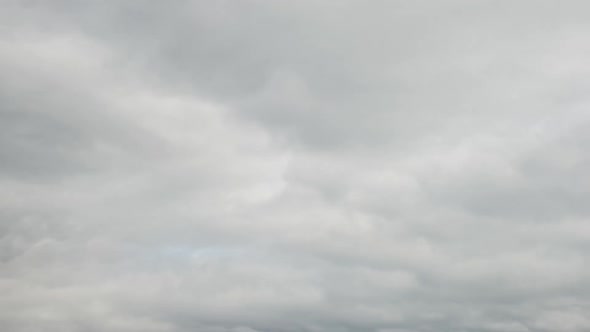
294,166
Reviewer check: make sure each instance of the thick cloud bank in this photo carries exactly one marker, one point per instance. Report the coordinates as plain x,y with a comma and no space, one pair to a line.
286,166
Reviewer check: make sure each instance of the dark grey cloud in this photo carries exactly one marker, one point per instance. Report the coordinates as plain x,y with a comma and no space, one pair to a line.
386,166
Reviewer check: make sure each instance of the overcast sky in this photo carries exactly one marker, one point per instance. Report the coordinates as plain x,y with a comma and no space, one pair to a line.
295,166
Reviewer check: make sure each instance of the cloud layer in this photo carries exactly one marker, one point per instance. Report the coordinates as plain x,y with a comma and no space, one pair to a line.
245,166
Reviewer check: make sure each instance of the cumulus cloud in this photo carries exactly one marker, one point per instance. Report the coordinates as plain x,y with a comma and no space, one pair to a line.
250,166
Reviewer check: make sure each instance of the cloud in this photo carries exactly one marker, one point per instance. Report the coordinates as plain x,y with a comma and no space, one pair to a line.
294,166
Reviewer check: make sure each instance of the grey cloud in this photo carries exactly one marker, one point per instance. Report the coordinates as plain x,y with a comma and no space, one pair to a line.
294,166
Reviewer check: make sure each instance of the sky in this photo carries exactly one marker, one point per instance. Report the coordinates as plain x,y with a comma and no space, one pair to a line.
294,166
